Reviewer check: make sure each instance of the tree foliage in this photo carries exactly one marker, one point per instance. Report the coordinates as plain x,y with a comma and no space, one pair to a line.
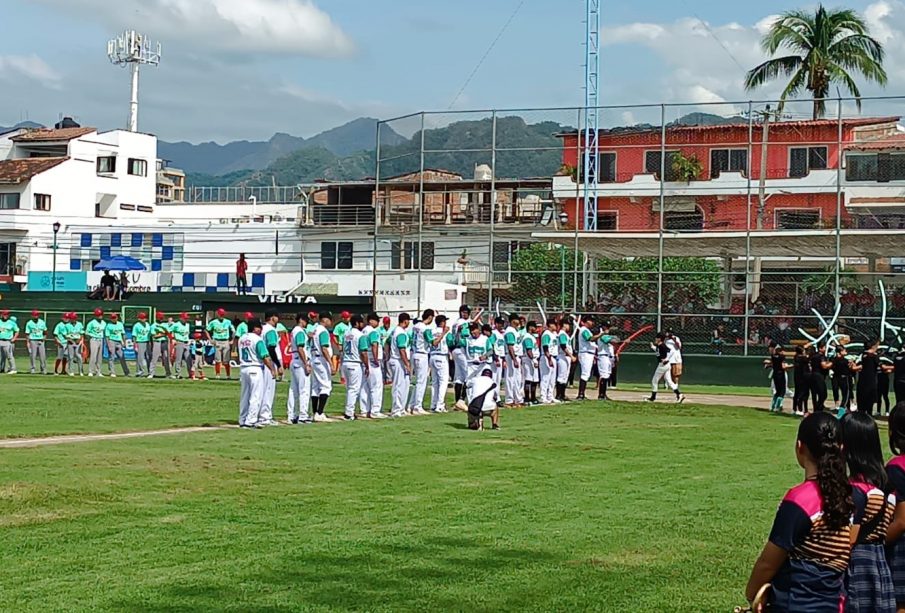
826,48
685,279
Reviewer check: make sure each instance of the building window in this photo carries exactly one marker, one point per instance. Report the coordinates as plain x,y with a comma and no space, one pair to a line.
687,221
406,256
728,160
797,219
9,201
145,209
42,202
802,160
336,255
126,207
607,221
607,173
879,167
138,168
7,259
106,165
652,164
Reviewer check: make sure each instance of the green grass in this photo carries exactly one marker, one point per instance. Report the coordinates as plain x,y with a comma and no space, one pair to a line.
622,508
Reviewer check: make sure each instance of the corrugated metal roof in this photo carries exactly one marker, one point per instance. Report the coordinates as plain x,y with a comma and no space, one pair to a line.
896,142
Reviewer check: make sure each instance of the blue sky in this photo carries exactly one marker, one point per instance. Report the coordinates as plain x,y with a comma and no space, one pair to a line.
248,68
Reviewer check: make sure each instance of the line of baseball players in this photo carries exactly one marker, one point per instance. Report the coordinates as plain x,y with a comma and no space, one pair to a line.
167,342
412,356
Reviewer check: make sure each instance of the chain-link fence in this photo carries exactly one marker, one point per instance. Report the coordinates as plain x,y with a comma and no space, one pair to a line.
736,224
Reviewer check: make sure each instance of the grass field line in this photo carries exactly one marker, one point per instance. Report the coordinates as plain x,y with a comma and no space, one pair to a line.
87,438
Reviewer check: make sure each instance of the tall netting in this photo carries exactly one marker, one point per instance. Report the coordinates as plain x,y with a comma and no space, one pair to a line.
734,224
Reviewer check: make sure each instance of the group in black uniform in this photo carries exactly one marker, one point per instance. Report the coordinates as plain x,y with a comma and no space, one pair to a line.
866,380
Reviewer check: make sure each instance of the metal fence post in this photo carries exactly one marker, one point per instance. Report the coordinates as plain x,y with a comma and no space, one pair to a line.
662,217
748,220
490,278
420,253
376,218
839,162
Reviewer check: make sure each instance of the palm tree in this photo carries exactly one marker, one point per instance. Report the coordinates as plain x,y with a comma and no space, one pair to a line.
827,47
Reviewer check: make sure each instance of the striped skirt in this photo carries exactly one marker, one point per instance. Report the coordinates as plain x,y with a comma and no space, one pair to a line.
895,555
868,582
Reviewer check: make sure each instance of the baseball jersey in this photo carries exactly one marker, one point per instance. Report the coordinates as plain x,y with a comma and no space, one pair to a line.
478,347
141,332
564,342
461,333
61,332
674,344
320,342
160,331
221,329
354,342
95,329
252,351
115,331
384,334
499,343
511,336
585,345
180,332
339,331
605,345
441,348
242,329
372,335
529,345
8,329
399,341
298,340
36,330
548,339
76,331
519,336
419,343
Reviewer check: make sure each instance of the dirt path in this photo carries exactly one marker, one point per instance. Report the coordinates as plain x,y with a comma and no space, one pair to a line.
86,438
666,397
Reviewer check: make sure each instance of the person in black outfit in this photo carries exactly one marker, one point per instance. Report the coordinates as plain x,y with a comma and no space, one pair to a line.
867,378
108,285
898,378
842,379
802,373
820,366
882,385
777,363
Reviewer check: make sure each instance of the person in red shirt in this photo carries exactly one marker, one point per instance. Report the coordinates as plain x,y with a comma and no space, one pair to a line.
241,275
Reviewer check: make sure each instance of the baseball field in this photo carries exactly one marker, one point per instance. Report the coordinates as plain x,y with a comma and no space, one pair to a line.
590,507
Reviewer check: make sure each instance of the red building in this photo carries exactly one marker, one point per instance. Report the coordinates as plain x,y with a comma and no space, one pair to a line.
801,183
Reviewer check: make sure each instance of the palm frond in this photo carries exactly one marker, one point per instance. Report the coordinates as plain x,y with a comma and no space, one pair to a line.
772,69
838,74
796,84
792,30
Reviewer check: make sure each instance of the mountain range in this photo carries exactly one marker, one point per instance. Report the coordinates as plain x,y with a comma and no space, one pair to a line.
22,124
214,159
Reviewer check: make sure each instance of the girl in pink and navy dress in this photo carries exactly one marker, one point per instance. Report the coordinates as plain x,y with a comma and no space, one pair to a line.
868,583
807,553
895,536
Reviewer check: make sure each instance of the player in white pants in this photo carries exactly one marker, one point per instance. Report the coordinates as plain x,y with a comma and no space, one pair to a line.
400,366
254,359
498,338
663,370
371,400
321,352
515,390
438,355
674,344
606,357
420,362
549,359
272,342
587,352
530,363
300,369
563,361
355,365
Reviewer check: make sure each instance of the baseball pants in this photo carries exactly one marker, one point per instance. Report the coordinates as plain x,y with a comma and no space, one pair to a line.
515,386
460,360
95,355
372,392
161,352
7,361
439,365
182,356
529,371
547,379
251,381
352,373
269,393
586,363
401,381
141,359
663,373
299,392
37,353
420,370
76,358
320,377
115,352
604,366
563,365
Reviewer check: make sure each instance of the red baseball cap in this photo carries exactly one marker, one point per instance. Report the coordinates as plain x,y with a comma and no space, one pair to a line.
221,312
114,315
4,312
161,315
184,316
98,312
386,320
312,314
35,313
249,315
142,316
345,314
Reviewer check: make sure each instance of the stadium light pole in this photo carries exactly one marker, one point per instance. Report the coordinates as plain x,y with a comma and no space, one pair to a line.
56,230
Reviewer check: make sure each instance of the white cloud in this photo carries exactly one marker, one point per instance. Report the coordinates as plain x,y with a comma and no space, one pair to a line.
31,67
706,63
250,26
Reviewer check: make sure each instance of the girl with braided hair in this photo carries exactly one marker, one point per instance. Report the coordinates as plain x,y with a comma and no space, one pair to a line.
808,550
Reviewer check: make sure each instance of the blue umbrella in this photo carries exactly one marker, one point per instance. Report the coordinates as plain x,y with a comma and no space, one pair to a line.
120,262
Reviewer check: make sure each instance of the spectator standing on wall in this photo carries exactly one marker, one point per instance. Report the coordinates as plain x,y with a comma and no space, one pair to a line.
242,275
108,285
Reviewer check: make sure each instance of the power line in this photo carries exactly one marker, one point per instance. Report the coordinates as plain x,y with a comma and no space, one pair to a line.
486,53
